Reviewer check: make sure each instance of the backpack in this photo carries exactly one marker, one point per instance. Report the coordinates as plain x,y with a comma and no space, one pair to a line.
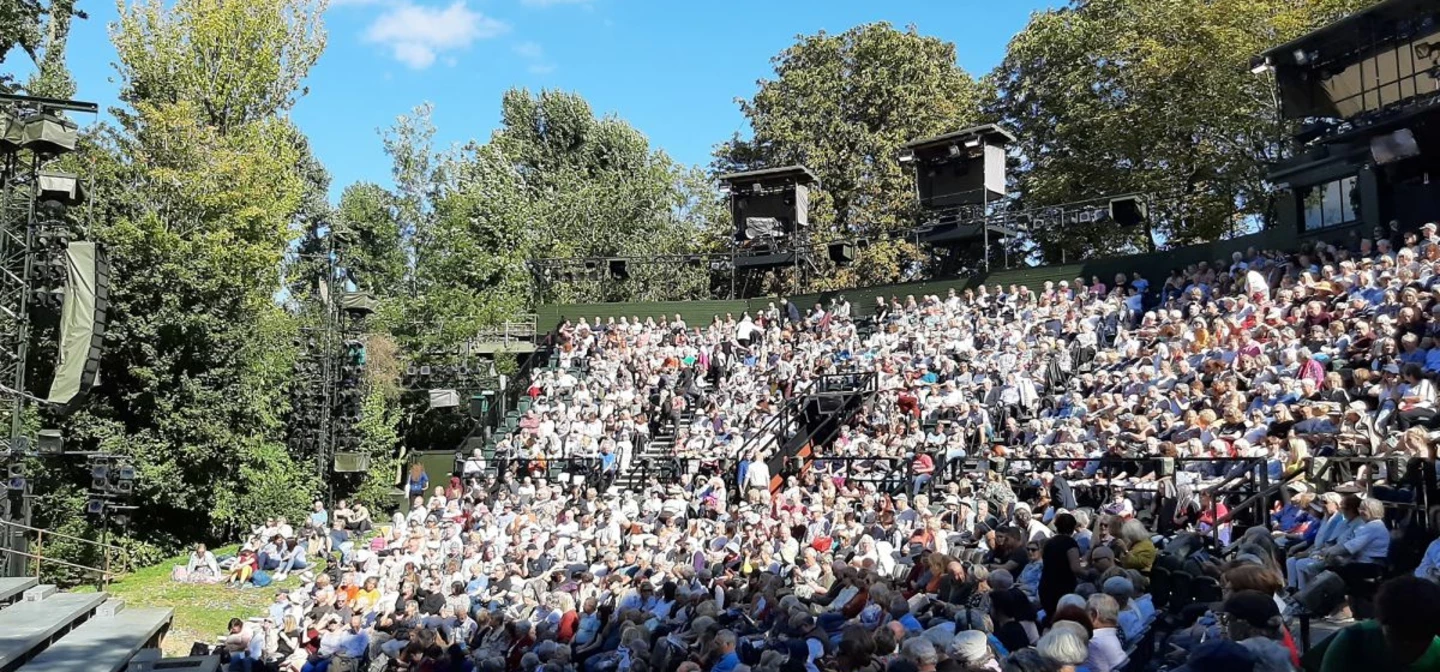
260,578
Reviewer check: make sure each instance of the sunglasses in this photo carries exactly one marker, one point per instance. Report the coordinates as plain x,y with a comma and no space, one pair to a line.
1033,549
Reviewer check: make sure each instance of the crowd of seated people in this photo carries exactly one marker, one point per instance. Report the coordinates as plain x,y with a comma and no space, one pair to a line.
1054,478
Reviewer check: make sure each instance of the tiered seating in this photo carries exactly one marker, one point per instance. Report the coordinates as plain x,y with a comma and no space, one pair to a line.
12,588
106,642
50,631
42,617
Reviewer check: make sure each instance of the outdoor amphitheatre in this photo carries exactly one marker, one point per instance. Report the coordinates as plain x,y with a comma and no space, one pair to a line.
1073,336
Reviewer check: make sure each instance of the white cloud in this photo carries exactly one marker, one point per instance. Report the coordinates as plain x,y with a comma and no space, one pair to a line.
530,50
416,34
535,54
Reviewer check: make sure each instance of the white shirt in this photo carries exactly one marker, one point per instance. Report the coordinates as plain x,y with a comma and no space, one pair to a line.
1106,653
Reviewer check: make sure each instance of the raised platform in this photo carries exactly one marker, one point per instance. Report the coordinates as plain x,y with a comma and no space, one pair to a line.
27,627
104,643
12,588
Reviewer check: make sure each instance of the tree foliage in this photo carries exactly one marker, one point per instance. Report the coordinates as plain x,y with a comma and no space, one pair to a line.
200,188
40,29
1152,96
237,62
554,180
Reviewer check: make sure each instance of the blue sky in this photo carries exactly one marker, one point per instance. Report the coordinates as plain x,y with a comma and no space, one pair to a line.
672,69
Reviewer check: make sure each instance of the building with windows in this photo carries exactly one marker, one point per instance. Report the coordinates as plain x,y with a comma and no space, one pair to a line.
1365,94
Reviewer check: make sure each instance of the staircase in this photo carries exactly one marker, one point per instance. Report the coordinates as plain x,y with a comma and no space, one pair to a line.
835,399
653,459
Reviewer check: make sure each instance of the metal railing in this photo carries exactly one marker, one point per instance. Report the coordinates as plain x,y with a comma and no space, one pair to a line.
115,559
509,331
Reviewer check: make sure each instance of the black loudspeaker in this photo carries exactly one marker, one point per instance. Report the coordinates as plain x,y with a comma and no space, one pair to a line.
1324,594
102,311
1128,211
769,205
842,253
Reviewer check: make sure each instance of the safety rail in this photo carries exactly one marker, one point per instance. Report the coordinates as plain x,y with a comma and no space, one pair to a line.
509,331
116,559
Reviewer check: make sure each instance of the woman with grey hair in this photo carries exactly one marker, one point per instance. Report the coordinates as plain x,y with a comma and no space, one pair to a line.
921,652
1067,645
971,648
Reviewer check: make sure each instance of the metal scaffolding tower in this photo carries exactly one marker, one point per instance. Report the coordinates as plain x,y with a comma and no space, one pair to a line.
33,135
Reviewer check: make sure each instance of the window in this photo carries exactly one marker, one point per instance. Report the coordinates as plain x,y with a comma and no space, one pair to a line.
1331,204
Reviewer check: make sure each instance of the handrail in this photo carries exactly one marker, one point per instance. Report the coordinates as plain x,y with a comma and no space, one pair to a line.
106,573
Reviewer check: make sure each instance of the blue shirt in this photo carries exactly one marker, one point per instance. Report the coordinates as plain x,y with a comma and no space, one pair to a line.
1429,568
1369,542
1330,530
354,645
727,664
1287,518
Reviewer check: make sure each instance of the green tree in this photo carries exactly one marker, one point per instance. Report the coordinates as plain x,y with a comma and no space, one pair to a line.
200,188
237,62
1153,96
368,228
40,29
554,180
843,105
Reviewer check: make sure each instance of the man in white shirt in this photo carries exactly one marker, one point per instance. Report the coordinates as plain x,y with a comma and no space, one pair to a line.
1106,650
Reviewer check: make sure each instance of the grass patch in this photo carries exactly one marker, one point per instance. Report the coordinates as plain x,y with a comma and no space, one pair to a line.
201,611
